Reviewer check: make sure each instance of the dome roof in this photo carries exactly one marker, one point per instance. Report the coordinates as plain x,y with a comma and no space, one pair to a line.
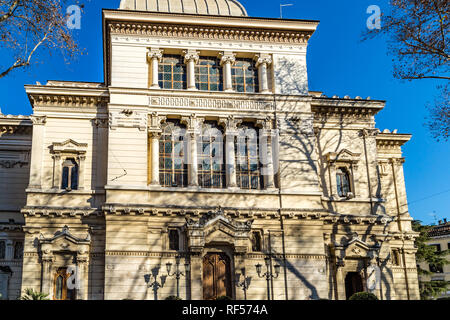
208,7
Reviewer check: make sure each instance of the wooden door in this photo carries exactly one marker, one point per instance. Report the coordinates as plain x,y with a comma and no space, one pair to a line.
216,276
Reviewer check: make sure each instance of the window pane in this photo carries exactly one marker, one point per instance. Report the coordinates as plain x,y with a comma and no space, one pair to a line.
65,178
74,178
2,249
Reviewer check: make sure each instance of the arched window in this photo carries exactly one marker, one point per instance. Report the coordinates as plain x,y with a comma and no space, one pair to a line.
248,166
208,74
69,180
211,162
343,182
173,170
244,76
174,240
172,72
61,289
2,249
18,250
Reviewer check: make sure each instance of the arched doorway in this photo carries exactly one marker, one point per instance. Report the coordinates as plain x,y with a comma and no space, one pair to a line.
353,284
216,276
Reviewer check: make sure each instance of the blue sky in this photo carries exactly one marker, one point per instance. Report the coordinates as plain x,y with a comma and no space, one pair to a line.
338,64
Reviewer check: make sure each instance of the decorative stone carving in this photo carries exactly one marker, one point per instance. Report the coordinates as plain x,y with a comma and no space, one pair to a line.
216,227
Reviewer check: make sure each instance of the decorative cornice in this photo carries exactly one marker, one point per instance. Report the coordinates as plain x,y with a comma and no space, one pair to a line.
68,100
392,140
357,219
193,31
60,212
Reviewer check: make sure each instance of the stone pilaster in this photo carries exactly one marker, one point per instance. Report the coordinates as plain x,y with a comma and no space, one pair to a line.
37,151
154,57
263,61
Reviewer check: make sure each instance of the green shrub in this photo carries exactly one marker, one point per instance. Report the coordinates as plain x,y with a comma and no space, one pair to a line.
30,294
173,298
363,296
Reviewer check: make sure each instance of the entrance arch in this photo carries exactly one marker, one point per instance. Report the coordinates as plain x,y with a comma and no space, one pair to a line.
216,276
353,284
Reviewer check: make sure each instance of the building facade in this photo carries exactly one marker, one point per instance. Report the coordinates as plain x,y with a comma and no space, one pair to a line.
439,238
203,152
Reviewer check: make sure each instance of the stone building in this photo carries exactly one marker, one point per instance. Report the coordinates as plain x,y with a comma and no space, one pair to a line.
204,152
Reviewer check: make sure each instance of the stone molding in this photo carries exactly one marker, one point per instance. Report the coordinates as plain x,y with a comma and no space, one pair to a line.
231,103
68,100
210,32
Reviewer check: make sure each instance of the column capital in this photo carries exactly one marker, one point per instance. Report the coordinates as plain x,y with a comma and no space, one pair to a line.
191,55
227,57
39,120
369,132
262,59
155,121
230,124
155,53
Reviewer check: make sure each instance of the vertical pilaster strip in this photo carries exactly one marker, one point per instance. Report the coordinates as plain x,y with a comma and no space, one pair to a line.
193,166
46,281
154,138
37,149
57,171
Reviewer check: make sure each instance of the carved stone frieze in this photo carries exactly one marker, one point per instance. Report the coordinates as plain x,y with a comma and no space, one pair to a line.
208,103
217,33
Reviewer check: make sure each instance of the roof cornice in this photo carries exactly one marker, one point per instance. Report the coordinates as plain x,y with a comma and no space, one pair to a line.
209,27
392,139
210,20
67,95
351,107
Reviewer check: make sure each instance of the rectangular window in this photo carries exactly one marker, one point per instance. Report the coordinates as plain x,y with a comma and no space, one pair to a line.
256,241
18,250
248,173
2,250
208,74
174,240
172,72
211,160
395,257
244,75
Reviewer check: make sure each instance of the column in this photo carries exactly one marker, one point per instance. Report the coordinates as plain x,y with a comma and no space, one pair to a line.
154,137
154,57
37,151
227,59
193,165
230,158
262,63
266,159
191,59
